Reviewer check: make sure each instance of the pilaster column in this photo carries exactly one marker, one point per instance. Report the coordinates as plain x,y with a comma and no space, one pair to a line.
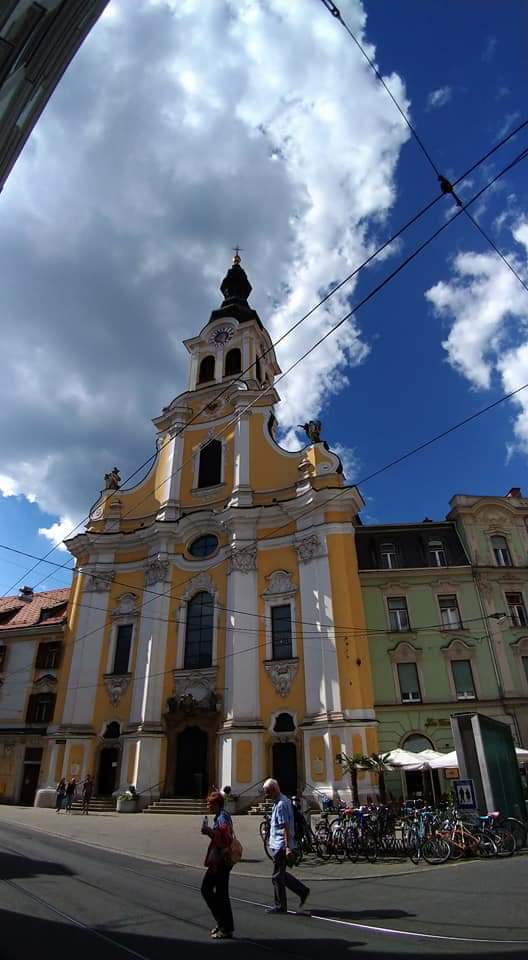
320,657
169,479
242,493
243,653
87,645
152,647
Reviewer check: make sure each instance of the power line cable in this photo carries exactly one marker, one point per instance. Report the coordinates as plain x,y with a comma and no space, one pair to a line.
446,185
334,290
251,544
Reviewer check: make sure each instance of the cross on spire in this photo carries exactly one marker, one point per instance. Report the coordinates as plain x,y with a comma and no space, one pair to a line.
237,249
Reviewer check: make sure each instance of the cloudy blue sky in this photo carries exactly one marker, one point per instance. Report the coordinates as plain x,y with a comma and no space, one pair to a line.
185,126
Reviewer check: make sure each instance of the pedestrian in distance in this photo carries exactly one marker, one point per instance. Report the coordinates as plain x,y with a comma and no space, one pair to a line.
215,885
282,845
87,792
70,793
60,795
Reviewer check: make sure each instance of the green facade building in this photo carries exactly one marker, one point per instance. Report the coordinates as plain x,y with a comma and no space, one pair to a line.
445,606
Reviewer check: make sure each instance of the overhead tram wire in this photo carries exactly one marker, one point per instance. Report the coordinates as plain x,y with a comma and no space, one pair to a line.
262,393
336,13
331,293
251,544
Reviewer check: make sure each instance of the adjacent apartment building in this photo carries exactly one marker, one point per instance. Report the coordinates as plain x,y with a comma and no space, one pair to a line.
32,627
37,42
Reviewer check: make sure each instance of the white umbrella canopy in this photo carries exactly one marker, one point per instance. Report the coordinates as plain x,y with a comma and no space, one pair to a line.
441,761
431,756
404,759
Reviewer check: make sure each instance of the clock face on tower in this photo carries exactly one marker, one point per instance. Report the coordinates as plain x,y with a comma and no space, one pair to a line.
222,335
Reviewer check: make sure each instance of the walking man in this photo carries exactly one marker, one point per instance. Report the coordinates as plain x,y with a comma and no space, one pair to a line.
87,792
282,843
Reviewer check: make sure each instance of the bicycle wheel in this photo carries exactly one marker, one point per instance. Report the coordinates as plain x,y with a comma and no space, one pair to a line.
323,849
352,844
435,850
518,830
264,831
456,850
504,841
370,848
485,845
338,844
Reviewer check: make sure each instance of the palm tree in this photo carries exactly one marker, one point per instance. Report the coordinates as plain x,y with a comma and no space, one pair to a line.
352,764
378,762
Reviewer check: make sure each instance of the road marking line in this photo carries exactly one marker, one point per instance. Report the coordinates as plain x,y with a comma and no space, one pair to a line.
409,933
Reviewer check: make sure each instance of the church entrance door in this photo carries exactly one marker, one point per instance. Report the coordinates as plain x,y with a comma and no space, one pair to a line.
285,767
107,773
192,763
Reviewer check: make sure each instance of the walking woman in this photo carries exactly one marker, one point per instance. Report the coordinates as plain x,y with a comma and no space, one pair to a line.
70,793
60,794
215,886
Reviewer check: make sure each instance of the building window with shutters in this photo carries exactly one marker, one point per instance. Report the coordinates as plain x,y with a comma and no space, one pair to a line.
281,632
437,554
210,465
409,684
199,631
398,614
501,551
40,708
388,556
517,609
449,612
49,656
463,679
123,646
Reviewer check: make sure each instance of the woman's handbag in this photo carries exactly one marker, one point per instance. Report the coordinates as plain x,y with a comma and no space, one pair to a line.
234,851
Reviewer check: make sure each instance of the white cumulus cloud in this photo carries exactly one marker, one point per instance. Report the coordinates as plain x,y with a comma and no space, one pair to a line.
439,98
486,309
180,129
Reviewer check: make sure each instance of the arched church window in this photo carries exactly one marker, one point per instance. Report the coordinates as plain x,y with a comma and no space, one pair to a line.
258,370
210,469
207,370
284,723
233,362
199,631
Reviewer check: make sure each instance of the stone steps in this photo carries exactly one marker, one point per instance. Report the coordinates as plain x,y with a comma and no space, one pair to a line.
97,805
181,805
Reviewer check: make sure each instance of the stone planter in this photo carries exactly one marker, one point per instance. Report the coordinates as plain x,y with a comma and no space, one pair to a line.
127,805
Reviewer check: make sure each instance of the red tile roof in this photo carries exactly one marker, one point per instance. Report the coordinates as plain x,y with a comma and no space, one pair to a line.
16,613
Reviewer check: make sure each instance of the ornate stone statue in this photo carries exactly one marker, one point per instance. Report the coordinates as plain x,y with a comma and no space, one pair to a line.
112,480
312,430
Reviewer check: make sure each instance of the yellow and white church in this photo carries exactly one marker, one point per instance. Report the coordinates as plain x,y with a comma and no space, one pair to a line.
216,629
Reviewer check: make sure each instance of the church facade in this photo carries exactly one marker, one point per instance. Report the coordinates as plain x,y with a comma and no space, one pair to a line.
216,629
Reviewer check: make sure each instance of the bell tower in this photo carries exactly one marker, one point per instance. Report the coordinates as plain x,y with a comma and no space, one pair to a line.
234,345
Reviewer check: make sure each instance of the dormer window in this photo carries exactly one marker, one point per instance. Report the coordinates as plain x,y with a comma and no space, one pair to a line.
437,554
388,556
233,362
207,370
501,551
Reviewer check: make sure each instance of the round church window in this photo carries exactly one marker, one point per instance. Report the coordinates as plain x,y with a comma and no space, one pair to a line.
204,546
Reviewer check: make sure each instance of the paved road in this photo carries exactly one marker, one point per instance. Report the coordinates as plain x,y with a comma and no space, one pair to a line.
58,898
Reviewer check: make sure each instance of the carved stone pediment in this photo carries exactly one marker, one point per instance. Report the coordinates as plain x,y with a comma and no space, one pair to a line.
116,686
279,583
194,690
282,673
47,683
126,606
458,649
405,652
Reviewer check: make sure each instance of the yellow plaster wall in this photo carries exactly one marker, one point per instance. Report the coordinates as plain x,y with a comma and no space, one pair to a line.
351,637
75,761
132,762
336,749
372,740
244,762
357,744
317,760
57,773
269,468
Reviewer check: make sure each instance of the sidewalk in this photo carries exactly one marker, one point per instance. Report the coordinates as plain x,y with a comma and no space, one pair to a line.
174,839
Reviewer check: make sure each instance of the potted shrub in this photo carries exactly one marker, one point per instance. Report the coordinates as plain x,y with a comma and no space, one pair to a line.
127,802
